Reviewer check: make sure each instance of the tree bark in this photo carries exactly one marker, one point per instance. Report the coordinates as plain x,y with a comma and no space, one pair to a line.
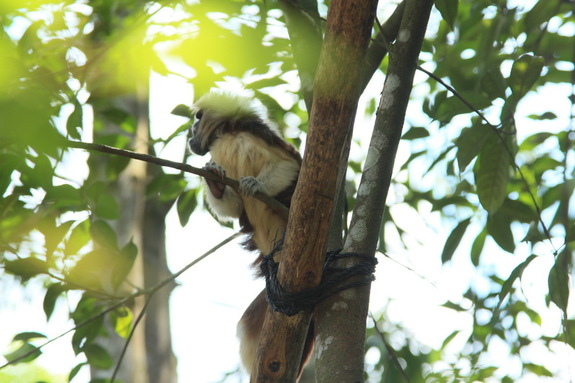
335,99
130,191
340,320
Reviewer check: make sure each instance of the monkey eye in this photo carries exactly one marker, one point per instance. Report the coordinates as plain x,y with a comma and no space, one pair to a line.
199,115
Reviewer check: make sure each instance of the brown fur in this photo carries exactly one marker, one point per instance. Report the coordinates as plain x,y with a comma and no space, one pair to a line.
242,145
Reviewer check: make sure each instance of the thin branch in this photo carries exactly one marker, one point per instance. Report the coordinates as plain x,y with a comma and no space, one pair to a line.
497,130
150,291
271,202
460,97
378,49
81,324
125,347
390,350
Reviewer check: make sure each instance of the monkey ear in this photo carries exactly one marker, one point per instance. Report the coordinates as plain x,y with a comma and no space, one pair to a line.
183,111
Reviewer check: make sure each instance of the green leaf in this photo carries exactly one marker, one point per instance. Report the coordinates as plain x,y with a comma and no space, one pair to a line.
559,281
166,187
453,106
122,321
449,338
470,142
52,294
75,370
98,357
122,264
53,234
79,237
538,369
477,247
266,83
107,207
75,121
524,73
187,202
183,128
26,268
492,173
508,284
104,235
415,132
41,175
64,196
453,306
493,84
453,240
448,10
183,111
21,351
26,336
518,210
499,228
543,116
88,332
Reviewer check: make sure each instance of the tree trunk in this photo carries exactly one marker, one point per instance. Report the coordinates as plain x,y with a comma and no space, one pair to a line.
149,357
335,100
341,319
130,192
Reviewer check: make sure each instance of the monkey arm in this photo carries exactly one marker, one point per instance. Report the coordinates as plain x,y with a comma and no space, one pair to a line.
273,178
224,202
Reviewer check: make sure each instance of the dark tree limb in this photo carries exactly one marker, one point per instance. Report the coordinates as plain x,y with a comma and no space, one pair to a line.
272,203
340,320
378,48
335,97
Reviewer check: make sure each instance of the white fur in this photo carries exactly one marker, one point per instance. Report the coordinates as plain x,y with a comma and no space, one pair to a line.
224,105
230,206
244,155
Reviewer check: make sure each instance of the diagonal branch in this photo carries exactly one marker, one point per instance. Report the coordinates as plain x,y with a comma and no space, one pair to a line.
378,48
148,292
271,202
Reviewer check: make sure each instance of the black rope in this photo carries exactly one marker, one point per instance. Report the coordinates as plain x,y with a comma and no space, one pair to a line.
334,280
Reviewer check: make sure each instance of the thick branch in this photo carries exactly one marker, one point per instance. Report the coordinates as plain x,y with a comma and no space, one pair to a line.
378,47
343,316
272,203
336,93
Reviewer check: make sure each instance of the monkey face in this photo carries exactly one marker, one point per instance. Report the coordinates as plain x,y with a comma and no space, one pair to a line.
198,143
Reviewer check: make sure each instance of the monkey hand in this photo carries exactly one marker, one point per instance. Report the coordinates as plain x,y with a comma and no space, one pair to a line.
216,188
251,185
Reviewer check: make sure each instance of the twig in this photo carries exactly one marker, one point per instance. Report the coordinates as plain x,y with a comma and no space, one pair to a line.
505,146
390,350
81,324
456,94
150,291
271,202
125,347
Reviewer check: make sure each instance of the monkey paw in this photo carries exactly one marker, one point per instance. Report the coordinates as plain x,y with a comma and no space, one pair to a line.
250,186
216,169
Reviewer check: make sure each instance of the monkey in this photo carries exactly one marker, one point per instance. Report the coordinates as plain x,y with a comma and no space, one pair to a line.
244,147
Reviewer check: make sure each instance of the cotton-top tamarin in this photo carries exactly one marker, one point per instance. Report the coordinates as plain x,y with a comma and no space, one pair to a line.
245,148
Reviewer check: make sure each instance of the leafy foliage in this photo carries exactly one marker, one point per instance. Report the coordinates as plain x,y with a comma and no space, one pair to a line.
507,175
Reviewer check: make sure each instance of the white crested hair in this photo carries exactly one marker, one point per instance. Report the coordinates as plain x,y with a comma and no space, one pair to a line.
221,104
